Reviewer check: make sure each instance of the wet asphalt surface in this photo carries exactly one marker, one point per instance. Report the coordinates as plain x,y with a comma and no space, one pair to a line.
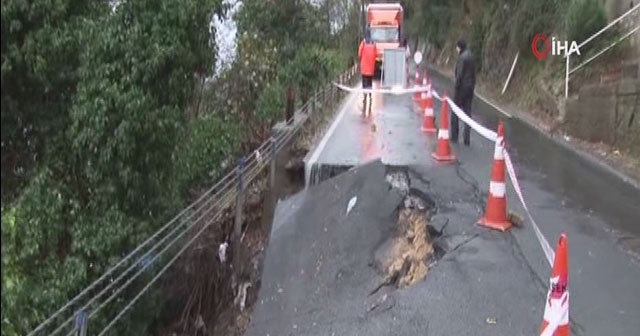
317,274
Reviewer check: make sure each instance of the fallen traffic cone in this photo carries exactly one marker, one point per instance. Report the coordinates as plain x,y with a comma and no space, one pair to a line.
429,120
556,312
495,215
443,148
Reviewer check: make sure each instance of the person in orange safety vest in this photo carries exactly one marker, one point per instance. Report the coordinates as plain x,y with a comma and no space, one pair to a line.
367,55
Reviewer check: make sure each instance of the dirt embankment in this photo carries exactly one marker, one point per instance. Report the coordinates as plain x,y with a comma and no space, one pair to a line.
203,295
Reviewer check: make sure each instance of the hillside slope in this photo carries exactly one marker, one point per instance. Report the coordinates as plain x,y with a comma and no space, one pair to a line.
497,31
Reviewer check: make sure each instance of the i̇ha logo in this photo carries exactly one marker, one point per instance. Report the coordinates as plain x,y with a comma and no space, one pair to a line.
556,47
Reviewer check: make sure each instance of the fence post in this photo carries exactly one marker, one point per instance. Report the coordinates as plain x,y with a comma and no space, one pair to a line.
237,229
81,323
272,168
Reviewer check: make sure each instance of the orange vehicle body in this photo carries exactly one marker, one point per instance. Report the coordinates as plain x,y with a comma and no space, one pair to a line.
385,23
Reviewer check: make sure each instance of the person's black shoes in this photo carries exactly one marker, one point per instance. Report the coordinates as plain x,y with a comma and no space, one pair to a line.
467,143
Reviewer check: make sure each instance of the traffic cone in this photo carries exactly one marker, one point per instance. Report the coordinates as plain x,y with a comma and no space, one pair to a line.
423,95
495,215
429,120
416,82
556,312
422,102
443,148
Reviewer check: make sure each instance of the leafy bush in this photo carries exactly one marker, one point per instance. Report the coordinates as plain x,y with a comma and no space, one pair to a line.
531,18
310,68
584,18
271,103
211,141
430,19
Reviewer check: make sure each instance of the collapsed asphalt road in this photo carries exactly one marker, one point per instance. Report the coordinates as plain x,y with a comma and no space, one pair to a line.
320,279
317,275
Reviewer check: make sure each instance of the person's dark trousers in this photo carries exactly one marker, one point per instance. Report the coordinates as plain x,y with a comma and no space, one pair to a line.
367,83
463,100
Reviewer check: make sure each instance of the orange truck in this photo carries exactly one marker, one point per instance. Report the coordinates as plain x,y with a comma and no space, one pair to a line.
385,23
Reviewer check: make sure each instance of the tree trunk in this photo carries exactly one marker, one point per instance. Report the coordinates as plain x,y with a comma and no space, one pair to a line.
290,104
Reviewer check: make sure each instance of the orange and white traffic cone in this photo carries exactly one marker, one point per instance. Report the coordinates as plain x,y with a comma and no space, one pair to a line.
443,148
556,312
416,82
495,215
422,102
429,120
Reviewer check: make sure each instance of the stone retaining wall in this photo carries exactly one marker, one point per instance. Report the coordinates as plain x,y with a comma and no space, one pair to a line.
607,113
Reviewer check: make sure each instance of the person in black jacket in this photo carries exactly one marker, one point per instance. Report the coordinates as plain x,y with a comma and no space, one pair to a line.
465,72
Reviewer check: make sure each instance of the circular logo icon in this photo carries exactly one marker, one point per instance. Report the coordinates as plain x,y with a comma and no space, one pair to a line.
540,54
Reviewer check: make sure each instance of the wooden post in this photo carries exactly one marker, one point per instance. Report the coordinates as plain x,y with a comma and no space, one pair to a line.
81,323
237,230
272,170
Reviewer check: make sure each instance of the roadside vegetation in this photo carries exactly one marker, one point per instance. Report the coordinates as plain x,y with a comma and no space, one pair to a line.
483,24
496,31
109,127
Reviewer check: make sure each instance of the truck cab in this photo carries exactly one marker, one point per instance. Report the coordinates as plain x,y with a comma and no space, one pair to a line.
385,23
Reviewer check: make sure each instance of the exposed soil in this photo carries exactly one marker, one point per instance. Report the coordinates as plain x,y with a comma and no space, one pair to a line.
412,250
405,258
204,297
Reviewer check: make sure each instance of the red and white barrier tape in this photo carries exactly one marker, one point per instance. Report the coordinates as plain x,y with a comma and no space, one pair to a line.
492,136
484,132
544,243
398,90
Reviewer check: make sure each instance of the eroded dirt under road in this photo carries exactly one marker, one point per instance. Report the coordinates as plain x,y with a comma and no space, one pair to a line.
405,258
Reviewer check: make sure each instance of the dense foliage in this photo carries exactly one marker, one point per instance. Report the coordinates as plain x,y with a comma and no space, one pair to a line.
100,143
483,24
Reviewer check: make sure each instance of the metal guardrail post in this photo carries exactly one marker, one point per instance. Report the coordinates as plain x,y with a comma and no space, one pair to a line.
81,323
237,229
272,163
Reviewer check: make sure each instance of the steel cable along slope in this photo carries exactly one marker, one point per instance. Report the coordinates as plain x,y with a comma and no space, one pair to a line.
250,177
219,196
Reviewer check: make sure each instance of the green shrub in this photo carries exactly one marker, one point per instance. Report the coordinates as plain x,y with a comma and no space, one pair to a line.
584,18
311,68
271,103
531,18
211,141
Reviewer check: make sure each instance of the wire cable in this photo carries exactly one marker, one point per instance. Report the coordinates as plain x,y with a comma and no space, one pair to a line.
151,250
254,164
164,269
128,257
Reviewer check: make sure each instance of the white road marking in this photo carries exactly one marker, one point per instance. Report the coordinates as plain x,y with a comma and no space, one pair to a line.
316,153
494,106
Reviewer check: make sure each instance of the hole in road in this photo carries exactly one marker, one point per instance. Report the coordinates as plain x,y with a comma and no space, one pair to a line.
405,258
